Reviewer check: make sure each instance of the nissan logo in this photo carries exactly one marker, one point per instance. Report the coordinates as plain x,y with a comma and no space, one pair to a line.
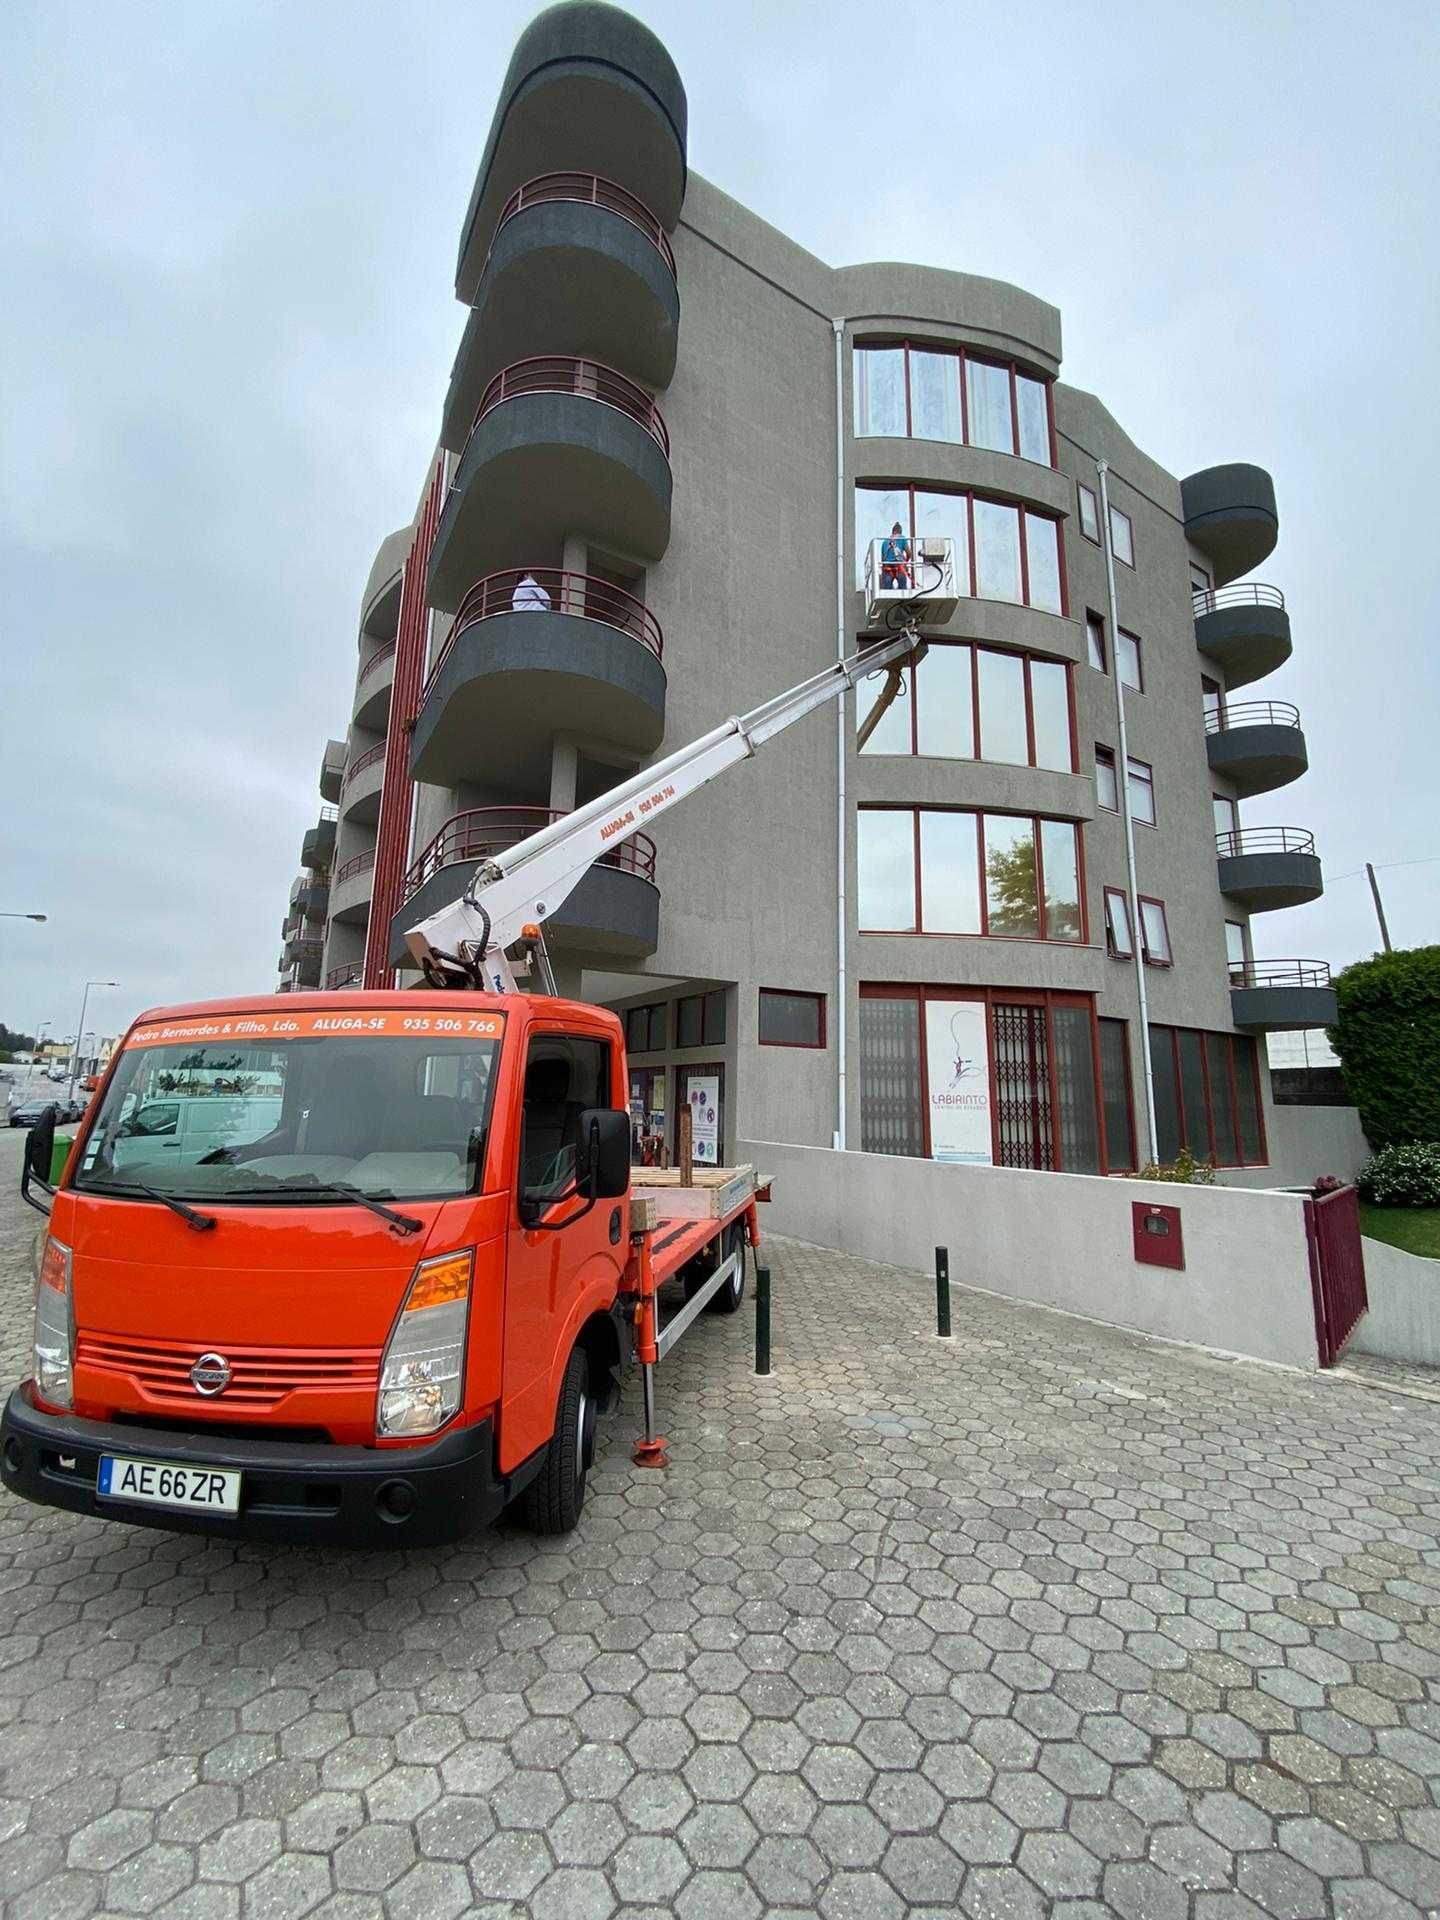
210,1373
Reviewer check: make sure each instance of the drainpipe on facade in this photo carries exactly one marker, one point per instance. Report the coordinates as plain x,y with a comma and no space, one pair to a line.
841,744
1122,782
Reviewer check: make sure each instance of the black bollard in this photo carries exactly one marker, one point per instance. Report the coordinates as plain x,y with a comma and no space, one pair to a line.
942,1292
762,1319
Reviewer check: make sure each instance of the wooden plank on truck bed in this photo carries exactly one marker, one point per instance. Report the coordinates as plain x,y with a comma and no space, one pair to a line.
717,1191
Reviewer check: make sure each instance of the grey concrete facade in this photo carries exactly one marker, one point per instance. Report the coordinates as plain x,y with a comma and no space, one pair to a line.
730,542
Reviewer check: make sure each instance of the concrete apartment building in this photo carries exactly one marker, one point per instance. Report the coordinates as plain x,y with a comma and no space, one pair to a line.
671,441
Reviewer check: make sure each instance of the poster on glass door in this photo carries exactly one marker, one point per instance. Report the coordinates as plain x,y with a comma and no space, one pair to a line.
957,1062
704,1097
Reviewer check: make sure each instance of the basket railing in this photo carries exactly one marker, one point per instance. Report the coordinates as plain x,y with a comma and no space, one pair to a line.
482,832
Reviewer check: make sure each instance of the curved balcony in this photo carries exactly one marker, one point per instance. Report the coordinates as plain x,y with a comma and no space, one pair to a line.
577,650
364,777
332,769
1230,516
1244,629
1282,996
373,683
556,443
352,974
615,910
317,849
577,265
1257,744
380,602
590,87
1269,867
351,886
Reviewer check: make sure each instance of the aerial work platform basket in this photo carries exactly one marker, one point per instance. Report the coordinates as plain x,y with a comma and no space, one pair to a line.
919,573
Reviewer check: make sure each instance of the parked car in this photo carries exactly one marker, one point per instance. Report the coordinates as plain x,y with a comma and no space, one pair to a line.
30,1111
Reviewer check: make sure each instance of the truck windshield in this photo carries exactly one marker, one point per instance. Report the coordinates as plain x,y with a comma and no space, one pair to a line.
298,1110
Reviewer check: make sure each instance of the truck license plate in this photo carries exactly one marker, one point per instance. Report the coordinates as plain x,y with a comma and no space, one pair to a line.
158,1483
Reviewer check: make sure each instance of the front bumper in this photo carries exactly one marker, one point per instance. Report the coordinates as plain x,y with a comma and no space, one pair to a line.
301,1495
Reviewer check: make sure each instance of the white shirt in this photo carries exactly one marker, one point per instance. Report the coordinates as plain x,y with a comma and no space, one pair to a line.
529,596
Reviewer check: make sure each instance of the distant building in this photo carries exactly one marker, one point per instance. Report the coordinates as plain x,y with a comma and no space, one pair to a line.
924,945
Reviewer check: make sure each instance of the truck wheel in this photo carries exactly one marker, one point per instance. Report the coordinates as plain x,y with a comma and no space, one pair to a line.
554,1498
728,1299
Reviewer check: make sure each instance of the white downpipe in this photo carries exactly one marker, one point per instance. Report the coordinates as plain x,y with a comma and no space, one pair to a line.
1122,781
842,985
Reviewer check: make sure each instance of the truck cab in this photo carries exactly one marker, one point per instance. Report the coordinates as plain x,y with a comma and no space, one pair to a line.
349,1268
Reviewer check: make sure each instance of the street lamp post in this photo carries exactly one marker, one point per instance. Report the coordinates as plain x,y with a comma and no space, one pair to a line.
80,1031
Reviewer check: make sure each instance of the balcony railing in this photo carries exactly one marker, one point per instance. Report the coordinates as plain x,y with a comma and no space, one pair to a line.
357,863
376,659
367,759
593,190
557,373
1250,593
1265,840
350,976
1281,973
549,590
469,838
1251,713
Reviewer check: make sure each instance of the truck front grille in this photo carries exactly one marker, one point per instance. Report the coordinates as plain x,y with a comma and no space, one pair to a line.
158,1372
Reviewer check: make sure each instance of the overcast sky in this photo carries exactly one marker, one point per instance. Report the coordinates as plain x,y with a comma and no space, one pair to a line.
227,242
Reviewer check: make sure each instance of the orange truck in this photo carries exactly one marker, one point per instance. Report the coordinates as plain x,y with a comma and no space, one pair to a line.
354,1268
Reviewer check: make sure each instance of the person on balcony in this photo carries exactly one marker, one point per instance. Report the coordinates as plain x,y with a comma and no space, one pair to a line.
895,559
530,596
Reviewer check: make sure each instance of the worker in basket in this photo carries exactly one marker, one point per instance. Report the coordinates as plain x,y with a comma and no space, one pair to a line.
895,559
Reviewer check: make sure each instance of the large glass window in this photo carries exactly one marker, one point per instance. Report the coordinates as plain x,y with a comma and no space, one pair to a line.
935,396
885,860
950,872
1023,703
880,391
1031,872
1050,710
934,393
997,551
1004,735
987,392
1207,1096
1074,1053
987,564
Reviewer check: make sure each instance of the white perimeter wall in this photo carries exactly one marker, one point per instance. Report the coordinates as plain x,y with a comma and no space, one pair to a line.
1404,1318
1062,1240
1305,1142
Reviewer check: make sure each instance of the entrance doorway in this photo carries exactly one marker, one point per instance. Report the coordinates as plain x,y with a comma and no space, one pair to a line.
1025,1115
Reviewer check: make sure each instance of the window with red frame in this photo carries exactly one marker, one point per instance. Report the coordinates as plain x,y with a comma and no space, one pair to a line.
700,1019
1119,940
1122,536
1207,1096
905,390
1141,778
941,870
1002,551
645,1027
1154,933
1128,658
791,1019
1095,641
1089,513
1019,702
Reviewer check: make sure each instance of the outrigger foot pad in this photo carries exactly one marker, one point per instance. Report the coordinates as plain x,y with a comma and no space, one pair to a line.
651,1453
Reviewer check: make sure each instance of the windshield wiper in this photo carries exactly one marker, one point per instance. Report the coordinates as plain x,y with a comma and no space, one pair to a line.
193,1218
399,1222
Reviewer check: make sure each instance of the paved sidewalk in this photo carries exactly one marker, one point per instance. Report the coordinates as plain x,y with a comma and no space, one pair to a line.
1043,1620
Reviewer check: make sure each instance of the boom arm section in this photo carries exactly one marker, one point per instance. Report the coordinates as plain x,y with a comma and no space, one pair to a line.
463,945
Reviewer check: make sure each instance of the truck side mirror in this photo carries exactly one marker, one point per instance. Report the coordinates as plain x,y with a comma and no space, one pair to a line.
605,1149
39,1151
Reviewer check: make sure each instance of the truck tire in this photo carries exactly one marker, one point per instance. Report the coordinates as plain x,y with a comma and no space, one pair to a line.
728,1299
554,1498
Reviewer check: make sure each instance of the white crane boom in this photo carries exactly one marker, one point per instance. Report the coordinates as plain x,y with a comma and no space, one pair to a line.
464,944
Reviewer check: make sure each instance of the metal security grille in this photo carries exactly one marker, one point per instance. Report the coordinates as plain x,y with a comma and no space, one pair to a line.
1022,1087
891,1108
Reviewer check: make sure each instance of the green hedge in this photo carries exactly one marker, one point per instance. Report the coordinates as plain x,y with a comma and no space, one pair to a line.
1388,1040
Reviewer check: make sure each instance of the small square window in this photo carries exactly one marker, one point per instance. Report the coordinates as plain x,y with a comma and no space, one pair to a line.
1122,536
1089,514
1142,791
1127,655
791,1019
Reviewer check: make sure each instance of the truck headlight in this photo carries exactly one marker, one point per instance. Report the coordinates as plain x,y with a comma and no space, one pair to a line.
422,1374
54,1348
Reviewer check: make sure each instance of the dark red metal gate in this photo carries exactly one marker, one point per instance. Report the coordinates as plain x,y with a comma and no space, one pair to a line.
1337,1269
